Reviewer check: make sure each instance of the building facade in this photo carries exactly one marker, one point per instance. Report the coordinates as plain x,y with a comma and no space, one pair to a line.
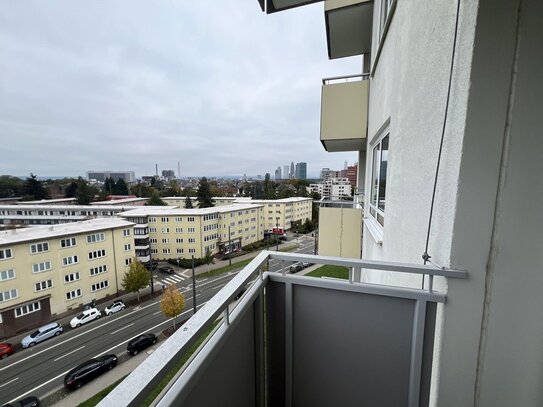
333,188
301,171
48,270
127,176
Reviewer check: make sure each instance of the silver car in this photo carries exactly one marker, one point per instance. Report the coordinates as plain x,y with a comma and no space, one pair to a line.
41,334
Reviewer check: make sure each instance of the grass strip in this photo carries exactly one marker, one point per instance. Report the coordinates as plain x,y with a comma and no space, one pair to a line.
225,269
330,271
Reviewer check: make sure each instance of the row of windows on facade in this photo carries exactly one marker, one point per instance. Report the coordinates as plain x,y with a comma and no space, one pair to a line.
41,247
70,295
179,250
11,274
206,218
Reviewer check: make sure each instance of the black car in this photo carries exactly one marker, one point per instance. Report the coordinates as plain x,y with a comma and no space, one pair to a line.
26,402
89,370
140,342
166,270
151,266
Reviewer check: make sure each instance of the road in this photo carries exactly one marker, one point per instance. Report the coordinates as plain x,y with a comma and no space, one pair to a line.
40,369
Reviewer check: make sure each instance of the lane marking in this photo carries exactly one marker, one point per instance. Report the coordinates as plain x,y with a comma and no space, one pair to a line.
147,330
158,312
38,387
69,353
100,326
120,329
11,381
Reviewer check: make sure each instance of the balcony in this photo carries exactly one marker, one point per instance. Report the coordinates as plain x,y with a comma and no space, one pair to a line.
344,113
348,27
340,231
273,6
299,341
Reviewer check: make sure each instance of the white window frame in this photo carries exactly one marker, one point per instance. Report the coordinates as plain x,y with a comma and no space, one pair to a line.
94,271
72,277
68,242
102,285
40,247
39,286
47,265
126,232
27,309
96,238
6,253
70,260
71,295
7,273
12,294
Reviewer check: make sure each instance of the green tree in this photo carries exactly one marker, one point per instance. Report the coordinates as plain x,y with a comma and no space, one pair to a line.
71,190
120,187
136,278
316,196
10,186
188,202
109,186
85,193
208,258
172,189
33,189
155,200
142,190
205,200
172,302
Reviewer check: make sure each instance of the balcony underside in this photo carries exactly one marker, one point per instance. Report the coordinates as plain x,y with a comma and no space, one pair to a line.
273,6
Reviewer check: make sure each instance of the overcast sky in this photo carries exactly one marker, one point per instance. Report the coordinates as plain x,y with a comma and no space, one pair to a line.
122,85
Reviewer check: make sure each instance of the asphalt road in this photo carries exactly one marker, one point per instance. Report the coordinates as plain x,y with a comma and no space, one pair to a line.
40,369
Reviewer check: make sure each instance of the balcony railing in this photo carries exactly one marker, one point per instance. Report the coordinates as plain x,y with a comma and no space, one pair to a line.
295,340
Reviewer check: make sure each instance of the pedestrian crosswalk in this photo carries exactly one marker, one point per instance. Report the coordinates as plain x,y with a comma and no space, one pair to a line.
172,279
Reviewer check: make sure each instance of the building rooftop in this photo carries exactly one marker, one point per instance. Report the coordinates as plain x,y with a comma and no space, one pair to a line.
51,231
46,201
115,202
168,210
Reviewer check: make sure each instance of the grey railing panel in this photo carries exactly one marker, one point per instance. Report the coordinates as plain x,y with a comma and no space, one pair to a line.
229,378
363,355
275,344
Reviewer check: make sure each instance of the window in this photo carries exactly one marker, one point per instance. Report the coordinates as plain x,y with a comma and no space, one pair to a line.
165,230
68,242
100,286
191,230
164,220
27,309
127,247
165,240
97,254
70,295
165,251
153,240
152,230
386,6
39,247
179,251
378,180
5,254
8,295
98,270
154,251
178,240
190,219
95,238
178,220
43,266
69,278
152,220
43,285
128,261
7,274
126,232
192,250
192,240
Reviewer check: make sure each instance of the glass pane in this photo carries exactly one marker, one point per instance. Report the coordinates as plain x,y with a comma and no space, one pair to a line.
383,173
375,175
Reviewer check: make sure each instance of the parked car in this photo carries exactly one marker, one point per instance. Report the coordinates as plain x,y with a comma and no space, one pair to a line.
41,334
84,317
306,264
88,370
115,306
151,265
296,267
141,342
30,401
166,270
283,236
6,349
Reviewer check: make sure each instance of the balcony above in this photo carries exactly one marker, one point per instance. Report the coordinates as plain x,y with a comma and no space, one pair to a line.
273,6
348,27
340,231
344,113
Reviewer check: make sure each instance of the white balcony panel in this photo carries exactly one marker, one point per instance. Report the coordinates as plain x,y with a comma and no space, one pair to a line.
340,232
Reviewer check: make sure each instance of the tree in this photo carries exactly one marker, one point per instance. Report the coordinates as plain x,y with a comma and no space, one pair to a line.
172,189
120,187
172,302
142,190
34,189
188,202
71,190
155,200
10,186
109,186
205,200
136,278
208,258
85,193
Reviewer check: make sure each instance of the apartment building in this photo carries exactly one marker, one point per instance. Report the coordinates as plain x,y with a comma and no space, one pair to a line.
179,201
165,233
333,188
48,270
127,176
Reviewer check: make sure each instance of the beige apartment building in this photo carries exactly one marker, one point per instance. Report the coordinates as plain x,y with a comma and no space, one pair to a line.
279,213
166,232
48,270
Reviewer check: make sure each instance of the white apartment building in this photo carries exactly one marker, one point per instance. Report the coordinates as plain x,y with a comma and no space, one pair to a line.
333,188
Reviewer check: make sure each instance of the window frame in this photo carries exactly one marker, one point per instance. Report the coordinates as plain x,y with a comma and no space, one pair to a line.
375,214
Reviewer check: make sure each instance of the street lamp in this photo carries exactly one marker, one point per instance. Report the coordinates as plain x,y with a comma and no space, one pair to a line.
277,232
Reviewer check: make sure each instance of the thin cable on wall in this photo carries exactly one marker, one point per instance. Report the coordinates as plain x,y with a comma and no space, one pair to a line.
425,256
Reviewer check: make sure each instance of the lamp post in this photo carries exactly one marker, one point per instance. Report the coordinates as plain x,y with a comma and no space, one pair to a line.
229,248
276,232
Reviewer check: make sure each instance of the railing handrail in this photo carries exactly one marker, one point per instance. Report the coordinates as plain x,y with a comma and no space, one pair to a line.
363,76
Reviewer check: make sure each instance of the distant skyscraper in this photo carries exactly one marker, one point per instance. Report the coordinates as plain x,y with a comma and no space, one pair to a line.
345,165
301,171
168,174
284,174
291,173
278,173
324,173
